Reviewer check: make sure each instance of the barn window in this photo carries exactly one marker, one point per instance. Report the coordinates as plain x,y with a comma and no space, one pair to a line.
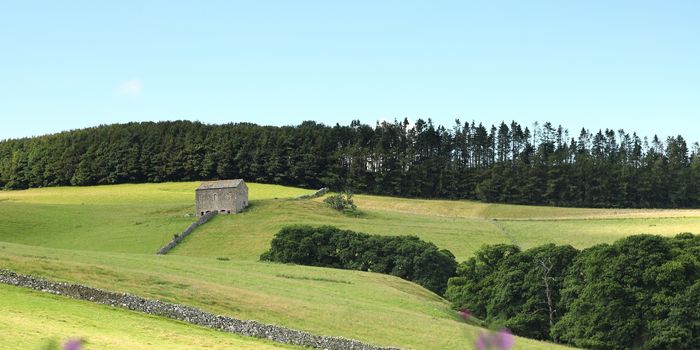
228,212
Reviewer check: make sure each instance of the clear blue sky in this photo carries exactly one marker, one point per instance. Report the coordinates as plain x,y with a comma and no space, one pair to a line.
619,64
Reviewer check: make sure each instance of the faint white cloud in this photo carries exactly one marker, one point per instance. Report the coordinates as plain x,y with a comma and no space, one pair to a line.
131,87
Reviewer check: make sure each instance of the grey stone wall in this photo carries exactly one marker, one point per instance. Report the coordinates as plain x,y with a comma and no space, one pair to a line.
186,314
316,194
241,196
178,238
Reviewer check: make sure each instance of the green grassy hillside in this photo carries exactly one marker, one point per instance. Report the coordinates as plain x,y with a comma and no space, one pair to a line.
105,236
377,308
31,320
460,226
118,218
141,218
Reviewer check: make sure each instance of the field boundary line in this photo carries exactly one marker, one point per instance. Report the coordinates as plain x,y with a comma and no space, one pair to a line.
187,314
320,192
503,230
180,237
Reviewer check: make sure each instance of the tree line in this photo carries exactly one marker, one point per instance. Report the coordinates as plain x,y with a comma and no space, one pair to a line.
407,257
641,292
504,163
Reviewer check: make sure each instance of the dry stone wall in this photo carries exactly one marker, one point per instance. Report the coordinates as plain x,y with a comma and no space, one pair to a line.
316,194
178,238
186,314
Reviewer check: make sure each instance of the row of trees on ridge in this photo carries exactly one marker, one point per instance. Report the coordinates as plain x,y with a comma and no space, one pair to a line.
503,163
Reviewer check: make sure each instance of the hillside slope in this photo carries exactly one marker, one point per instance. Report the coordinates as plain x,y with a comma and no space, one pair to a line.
105,236
31,320
375,308
141,218
460,226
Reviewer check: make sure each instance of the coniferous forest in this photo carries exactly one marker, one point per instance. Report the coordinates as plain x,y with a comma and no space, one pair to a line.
539,164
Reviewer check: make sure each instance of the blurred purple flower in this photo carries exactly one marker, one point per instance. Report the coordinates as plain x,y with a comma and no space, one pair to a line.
480,342
73,344
501,340
506,339
464,314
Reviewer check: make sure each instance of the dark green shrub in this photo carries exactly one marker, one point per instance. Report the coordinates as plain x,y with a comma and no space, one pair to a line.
341,202
407,257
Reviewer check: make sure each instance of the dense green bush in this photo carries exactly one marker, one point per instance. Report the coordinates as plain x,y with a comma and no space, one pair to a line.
341,201
642,292
407,257
505,285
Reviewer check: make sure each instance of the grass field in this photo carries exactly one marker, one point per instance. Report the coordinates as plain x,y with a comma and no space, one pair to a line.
32,320
120,218
377,308
460,226
105,236
480,210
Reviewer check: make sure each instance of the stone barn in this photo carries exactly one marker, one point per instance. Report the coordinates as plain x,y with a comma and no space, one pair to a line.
225,196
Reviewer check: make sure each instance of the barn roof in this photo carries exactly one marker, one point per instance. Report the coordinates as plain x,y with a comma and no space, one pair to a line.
210,185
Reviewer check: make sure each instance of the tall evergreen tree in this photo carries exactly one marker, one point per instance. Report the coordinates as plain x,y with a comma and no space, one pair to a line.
503,163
